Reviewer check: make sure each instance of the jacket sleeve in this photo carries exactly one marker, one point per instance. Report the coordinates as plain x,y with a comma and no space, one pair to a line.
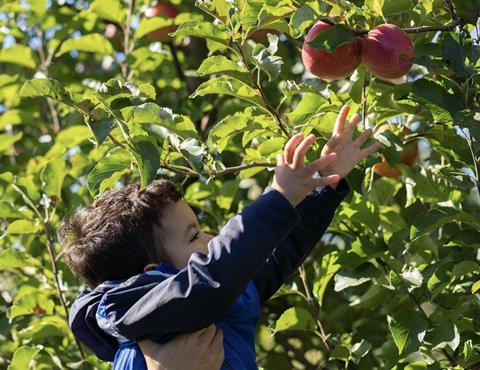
316,212
83,323
199,294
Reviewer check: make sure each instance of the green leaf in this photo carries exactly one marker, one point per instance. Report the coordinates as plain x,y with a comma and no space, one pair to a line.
475,287
301,20
408,329
204,30
92,43
151,113
16,117
341,352
438,217
148,25
48,327
360,349
393,7
9,211
329,268
219,64
117,159
375,6
108,9
45,87
435,93
229,86
27,304
468,10
347,279
309,106
7,140
147,157
38,6
266,60
453,52
226,194
334,37
465,267
23,227
13,259
52,176
69,138
443,334
295,318
358,79
101,127
256,13
246,121
18,54
23,356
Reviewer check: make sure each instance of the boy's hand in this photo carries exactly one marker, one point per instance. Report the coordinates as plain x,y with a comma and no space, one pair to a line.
295,180
349,152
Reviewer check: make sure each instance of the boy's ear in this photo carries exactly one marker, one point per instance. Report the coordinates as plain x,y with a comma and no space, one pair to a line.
149,267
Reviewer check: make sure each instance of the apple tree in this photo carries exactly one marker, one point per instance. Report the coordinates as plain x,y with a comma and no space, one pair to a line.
99,93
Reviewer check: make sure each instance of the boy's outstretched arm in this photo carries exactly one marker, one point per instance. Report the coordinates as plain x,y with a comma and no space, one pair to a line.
200,294
318,208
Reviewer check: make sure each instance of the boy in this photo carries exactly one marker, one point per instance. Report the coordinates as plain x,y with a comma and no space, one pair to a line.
202,280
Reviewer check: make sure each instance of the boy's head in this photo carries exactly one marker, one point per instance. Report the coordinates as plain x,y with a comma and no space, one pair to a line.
126,229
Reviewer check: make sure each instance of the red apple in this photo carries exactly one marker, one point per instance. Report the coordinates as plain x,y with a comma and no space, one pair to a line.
337,65
165,10
388,51
407,157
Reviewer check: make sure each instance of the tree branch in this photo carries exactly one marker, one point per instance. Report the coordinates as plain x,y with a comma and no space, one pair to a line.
447,27
46,227
313,307
270,108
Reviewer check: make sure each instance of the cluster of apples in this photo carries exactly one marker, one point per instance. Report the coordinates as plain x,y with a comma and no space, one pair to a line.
386,51
163,9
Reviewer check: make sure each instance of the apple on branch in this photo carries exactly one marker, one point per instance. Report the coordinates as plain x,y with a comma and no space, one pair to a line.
330,66
387,51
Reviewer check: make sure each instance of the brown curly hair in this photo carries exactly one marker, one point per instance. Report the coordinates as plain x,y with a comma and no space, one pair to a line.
113,238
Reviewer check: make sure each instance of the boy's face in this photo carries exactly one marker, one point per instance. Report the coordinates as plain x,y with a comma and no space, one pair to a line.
181,234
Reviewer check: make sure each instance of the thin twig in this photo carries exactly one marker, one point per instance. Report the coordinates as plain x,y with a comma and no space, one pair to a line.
257,86
447,27
313,307
46,227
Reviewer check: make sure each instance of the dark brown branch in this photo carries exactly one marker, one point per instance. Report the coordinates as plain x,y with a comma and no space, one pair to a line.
447,27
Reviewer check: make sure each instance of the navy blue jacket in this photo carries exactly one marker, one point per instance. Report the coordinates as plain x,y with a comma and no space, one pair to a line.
264,244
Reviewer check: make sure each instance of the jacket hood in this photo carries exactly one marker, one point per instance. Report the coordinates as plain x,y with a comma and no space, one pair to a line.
83,323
